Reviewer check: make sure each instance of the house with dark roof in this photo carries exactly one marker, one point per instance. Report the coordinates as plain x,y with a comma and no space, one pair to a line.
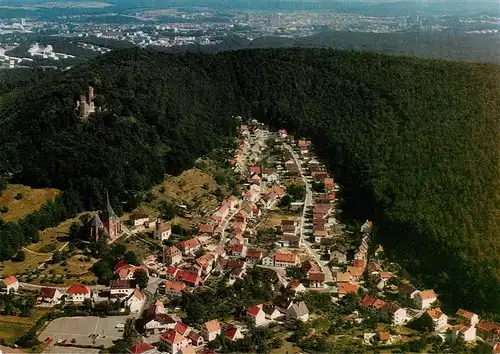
195,339
298,311
50,295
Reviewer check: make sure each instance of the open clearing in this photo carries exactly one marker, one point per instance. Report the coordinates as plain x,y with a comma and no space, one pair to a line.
80,328
31,262
13,327
76,266
57,235
32,200
273,218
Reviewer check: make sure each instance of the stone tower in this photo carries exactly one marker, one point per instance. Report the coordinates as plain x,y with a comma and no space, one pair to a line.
85,106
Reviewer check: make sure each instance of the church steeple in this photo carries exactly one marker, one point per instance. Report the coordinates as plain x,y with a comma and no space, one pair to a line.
110,212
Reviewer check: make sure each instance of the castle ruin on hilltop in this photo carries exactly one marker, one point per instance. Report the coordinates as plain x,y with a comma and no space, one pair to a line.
85,106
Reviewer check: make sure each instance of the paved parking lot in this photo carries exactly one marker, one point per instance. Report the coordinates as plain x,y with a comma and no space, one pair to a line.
80,328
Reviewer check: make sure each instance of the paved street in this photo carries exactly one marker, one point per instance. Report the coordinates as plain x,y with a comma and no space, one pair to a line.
307,203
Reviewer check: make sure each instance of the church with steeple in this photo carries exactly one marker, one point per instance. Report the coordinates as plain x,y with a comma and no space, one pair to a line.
106,220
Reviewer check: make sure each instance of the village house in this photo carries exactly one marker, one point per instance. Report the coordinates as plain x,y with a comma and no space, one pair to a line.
338,254
384,337
210,330
127,271
143,348
50,295
289,227
195,339
292,241
356,272
162,231
295,286
381,280
298,312
233,334
439,319
268,260
257,314
171,255
206,262
424,299
464,332
488,330
173,288
9,284
182,328
408,291
344,289
206,229
343,277
77,293
135,301
235,274
238,250
271,312
319,235
285,260
397,313
496,348
121,288
232,202
139,219
329,183
173,341
255,178
158,322
192,280
253,256
190,246
468,316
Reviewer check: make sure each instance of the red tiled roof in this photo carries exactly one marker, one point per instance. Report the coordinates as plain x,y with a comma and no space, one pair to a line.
171,336
496,348
384,336
181,327
347,288
427,294
206,228
172,250
435,313
141,348
237,248
231,333
48,292
285,257
359,263
254,310
378,304
172,270
465,314
212,326
78,289
121,263
191,243
316,276
174,286
163,227
254,253
368,301
10,280
489,326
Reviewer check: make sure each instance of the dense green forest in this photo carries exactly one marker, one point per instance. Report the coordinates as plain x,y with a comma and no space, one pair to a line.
414,143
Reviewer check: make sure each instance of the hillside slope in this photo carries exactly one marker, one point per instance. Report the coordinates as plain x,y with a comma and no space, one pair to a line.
415,143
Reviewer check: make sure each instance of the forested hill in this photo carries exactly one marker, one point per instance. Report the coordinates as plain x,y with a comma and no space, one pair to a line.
414,142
